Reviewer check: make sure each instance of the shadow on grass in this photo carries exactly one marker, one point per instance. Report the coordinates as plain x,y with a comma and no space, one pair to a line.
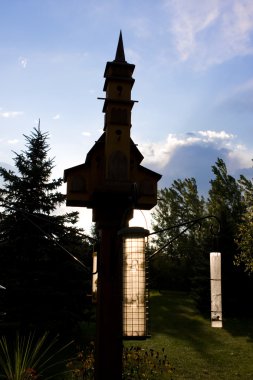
175,314
197,350
239,327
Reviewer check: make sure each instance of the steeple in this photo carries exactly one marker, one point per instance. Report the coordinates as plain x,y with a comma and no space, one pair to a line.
120,54
117,108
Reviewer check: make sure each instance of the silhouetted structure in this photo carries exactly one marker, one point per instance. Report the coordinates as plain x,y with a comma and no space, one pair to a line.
113,183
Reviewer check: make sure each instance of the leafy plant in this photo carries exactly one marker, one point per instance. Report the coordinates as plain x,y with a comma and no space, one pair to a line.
138,363
29,358
82,366
148,364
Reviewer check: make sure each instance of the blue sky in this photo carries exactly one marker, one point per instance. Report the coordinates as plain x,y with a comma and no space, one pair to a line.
193,80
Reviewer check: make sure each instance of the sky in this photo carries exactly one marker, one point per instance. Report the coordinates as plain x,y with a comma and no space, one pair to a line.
193,81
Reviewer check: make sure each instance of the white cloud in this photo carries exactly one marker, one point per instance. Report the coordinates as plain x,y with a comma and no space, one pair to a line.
160,153
86,134
188,21
193,154
10,114
12,142
56,117
23,62
209,32
240,157
210,136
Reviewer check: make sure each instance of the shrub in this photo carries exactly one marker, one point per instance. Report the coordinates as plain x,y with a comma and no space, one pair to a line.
141,363
138,363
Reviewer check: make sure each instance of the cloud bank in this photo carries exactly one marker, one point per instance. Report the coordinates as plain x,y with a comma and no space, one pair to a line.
194,153
159,154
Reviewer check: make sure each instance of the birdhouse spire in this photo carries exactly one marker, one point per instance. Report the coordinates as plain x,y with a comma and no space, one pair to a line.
120,54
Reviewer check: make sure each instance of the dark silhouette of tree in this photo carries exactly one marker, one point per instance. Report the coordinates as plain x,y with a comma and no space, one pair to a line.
173,267
185,264
44,256
226,201
244,235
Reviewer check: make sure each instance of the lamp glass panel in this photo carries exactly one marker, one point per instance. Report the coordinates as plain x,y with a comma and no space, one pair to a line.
134,287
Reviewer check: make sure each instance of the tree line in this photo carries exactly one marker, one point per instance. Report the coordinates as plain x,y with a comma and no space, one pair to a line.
225,225
45,258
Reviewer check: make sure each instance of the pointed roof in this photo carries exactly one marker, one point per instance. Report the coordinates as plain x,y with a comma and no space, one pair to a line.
120,54
119,68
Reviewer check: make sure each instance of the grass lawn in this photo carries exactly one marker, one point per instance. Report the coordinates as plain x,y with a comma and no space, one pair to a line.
195,349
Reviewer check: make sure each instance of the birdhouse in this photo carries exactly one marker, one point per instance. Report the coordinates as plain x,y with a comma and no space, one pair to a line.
112,170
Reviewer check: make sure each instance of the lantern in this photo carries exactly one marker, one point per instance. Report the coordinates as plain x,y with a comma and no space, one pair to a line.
135,290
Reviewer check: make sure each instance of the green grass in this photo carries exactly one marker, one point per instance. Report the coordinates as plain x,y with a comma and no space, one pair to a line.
194,348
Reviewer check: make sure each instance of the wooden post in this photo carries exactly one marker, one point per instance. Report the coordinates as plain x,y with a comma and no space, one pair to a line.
109,345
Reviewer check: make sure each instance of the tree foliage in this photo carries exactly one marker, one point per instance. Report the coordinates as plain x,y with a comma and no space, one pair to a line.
180,203
42,252
227,202
177,205
244,235
184,264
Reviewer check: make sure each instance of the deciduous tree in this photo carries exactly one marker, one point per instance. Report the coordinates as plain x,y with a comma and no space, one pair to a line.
181,203
227,203
244,235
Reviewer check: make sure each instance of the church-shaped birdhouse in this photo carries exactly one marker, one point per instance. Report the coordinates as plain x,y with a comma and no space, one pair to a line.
113,183
112,170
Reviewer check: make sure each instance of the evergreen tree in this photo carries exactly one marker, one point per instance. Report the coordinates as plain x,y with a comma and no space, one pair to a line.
43,256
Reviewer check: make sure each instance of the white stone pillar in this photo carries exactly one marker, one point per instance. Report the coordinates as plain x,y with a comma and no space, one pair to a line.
216,300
